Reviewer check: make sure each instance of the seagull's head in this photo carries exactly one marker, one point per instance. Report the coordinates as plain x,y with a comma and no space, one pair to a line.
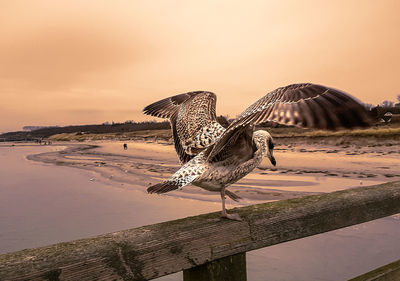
265,143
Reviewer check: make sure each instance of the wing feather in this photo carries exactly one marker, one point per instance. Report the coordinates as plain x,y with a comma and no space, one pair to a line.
305,105
193,121
167,107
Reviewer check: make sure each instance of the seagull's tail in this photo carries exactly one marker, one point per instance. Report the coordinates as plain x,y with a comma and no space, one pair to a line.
163,187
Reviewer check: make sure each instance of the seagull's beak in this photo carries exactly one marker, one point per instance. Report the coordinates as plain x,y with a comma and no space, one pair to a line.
272,159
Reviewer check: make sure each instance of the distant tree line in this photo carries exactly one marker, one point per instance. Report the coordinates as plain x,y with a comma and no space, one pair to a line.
87,129
379,111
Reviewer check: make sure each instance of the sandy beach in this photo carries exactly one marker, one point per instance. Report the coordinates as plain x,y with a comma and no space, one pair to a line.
302,169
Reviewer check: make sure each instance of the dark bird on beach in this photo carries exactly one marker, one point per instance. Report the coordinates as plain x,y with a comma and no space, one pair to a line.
214,157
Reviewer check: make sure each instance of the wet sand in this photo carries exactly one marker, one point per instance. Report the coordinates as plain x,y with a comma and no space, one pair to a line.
300,171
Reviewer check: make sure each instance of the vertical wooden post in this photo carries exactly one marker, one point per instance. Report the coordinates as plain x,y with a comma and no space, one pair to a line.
231,268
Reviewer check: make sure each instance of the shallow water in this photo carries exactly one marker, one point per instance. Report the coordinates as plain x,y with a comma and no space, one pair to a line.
41,204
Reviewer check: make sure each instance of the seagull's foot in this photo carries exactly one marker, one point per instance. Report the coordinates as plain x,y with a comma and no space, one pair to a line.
234,217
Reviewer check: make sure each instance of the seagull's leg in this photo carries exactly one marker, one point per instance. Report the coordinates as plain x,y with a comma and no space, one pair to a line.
224,213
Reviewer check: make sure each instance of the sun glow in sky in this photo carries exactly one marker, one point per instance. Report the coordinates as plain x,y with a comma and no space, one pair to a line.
76,62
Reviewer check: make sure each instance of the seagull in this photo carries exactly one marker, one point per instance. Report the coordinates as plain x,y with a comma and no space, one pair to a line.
214,157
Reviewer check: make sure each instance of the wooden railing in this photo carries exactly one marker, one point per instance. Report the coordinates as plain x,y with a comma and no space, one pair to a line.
205,247
389,272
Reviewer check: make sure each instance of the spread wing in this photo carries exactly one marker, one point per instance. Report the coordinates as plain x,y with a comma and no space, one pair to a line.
303,105
193,121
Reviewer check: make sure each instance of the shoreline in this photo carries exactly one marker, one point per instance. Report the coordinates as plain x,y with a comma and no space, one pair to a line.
302,169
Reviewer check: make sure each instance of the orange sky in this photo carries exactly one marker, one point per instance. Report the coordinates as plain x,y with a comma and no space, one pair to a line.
64,62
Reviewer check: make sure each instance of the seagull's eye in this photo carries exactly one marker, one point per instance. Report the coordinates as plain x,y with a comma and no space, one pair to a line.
270,145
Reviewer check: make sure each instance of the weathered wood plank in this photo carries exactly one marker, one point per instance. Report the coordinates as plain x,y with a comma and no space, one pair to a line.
231,268
160,249
389,272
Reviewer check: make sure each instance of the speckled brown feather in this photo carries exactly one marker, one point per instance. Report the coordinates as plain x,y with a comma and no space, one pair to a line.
193,121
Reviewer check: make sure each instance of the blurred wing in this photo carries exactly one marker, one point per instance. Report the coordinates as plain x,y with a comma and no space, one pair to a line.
303,105
193,121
